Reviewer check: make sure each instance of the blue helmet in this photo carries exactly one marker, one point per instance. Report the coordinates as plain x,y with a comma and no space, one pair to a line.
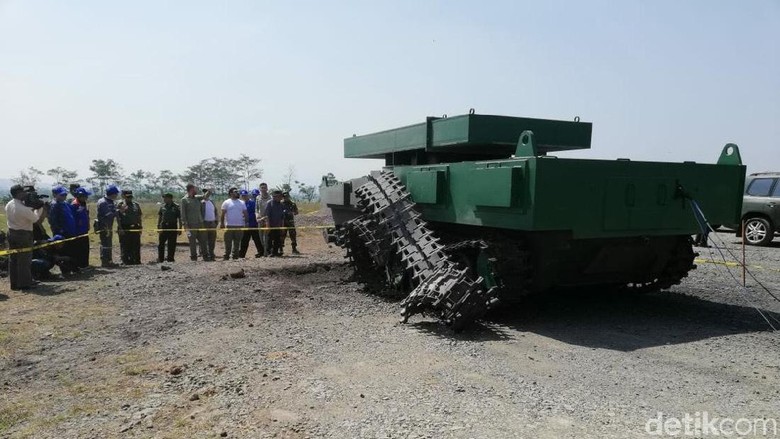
112,189
243,192
255,192
59,190
82,192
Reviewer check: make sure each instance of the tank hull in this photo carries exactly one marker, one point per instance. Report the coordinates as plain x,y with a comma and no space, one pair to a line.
491,228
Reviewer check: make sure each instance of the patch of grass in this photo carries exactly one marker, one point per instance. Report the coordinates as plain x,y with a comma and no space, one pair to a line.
11,341
136,363
63,319
134,370
5,337
304,207
13,415
47,422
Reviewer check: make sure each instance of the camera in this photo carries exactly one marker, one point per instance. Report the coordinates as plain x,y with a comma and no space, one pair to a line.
33,199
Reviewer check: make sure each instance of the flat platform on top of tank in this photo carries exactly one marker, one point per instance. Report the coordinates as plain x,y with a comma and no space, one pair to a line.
499,133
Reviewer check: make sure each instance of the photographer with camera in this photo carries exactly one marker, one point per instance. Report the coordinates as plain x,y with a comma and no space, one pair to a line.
24,210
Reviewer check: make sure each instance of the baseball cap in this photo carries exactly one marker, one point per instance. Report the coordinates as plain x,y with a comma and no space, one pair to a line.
127,192
59,190
255,191
243,192
82,192
112,189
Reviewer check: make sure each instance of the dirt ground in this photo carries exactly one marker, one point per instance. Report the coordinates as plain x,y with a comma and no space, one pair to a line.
297,349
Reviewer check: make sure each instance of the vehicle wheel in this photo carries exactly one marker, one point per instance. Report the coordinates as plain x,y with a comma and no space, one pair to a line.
758,231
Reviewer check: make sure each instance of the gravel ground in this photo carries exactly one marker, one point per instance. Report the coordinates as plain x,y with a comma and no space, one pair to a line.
297,349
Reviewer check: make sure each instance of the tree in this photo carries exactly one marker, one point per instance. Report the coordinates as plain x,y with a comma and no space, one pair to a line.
248,169
168,181
287,180
164,181
28,177
197,174
214,173
62,176
306,192
223,173
138,180
105,172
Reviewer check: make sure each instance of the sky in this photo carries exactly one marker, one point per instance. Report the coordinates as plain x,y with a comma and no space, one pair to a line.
163,84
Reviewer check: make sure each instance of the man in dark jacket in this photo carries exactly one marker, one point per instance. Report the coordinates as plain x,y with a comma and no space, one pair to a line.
61,220
47,257
129,227
289,223
253,233
274,215
81,215
168,225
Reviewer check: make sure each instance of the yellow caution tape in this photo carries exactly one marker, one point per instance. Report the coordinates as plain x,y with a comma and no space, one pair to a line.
710,261
732,264
14,251
60,241
211,229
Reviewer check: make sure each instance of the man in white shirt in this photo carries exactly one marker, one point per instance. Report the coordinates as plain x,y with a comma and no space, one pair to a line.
233,219
20,220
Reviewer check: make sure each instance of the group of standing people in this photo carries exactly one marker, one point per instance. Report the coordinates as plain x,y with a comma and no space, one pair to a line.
242,216
264,218
69,223
258,216
127,215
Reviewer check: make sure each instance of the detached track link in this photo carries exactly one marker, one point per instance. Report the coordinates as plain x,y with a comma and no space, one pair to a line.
390,224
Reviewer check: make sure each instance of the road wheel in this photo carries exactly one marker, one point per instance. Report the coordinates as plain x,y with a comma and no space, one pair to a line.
758,231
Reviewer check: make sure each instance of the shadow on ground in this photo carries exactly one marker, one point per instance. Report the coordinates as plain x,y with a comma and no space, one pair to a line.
626,322
478,331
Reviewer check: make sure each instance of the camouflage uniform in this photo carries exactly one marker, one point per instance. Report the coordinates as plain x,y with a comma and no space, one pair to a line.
291,209
168,222
128,214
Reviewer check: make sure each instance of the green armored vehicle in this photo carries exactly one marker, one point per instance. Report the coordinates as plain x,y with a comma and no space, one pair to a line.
474,209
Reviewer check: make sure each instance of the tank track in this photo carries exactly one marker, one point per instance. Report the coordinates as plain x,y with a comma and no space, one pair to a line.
390,227
676,269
